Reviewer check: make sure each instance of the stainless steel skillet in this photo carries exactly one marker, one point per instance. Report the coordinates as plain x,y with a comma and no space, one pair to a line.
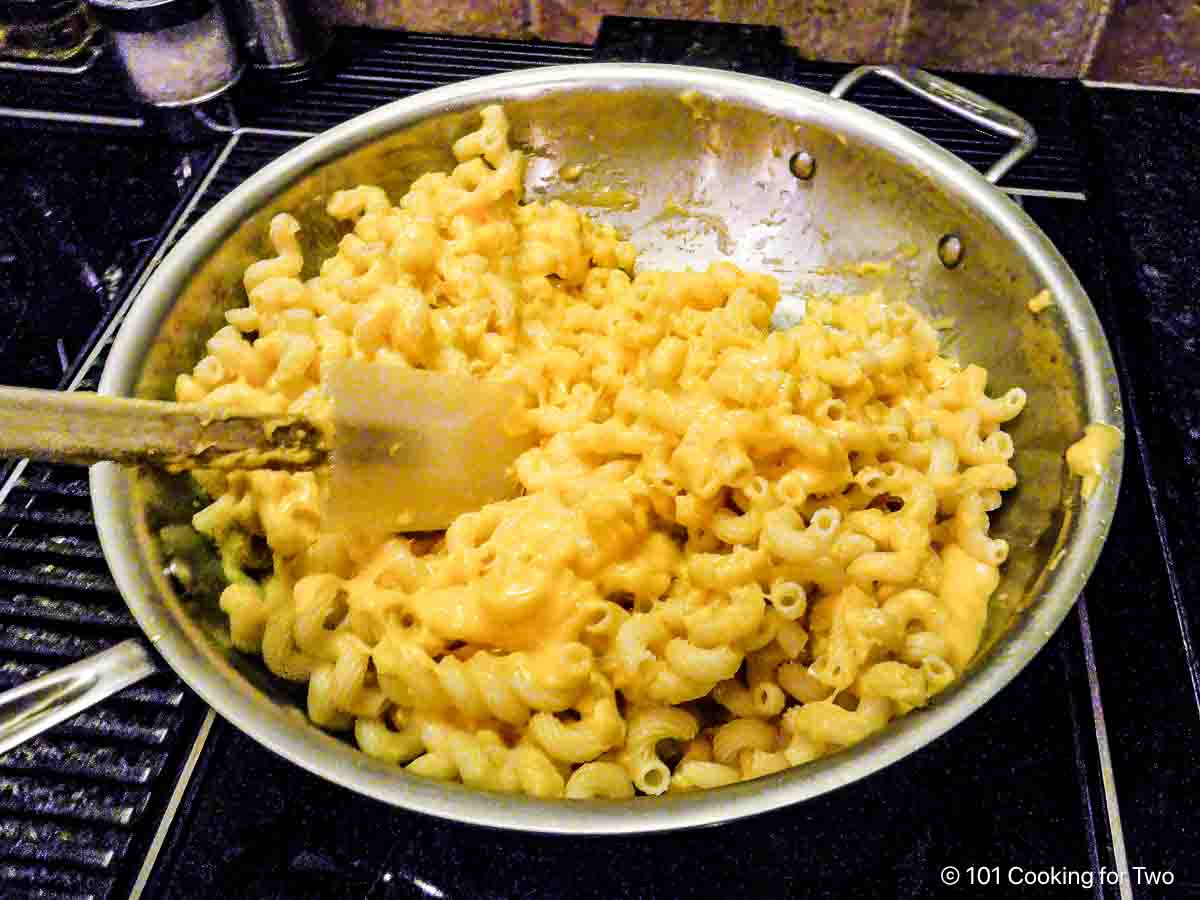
773,176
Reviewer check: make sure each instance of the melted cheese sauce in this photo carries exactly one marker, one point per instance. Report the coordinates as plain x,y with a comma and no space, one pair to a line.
1040,302
1088,457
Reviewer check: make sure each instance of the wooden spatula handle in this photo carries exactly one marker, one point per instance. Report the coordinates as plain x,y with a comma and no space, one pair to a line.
85,428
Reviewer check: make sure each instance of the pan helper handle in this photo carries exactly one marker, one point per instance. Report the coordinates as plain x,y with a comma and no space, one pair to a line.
41,703
958,100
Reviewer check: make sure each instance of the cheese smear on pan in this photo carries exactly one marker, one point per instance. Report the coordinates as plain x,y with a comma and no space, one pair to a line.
1089,456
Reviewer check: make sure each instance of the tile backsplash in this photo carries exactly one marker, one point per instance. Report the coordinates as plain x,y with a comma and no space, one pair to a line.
1151,42
1034,37
1142,41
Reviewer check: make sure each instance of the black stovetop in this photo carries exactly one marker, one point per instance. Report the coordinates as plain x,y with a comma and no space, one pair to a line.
1086,762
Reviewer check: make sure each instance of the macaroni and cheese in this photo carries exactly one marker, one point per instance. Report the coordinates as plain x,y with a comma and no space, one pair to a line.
735,549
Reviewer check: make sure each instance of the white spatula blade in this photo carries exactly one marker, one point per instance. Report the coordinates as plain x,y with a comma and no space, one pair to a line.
414,449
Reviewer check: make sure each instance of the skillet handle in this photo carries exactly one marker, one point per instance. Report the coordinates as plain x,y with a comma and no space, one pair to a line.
30,708
958,100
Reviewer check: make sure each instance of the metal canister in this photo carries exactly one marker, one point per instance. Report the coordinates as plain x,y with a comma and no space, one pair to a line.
175,52
284,40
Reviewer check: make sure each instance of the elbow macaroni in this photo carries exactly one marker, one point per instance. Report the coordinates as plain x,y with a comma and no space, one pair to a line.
792,524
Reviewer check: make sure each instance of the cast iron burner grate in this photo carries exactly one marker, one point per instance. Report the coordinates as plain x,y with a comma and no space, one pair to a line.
78,804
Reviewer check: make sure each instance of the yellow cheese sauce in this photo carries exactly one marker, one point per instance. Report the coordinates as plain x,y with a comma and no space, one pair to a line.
673,209
200,456
1041,302
869,268
605,198
1088,457
571,172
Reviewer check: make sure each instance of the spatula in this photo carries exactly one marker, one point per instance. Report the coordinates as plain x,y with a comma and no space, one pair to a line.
409,450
